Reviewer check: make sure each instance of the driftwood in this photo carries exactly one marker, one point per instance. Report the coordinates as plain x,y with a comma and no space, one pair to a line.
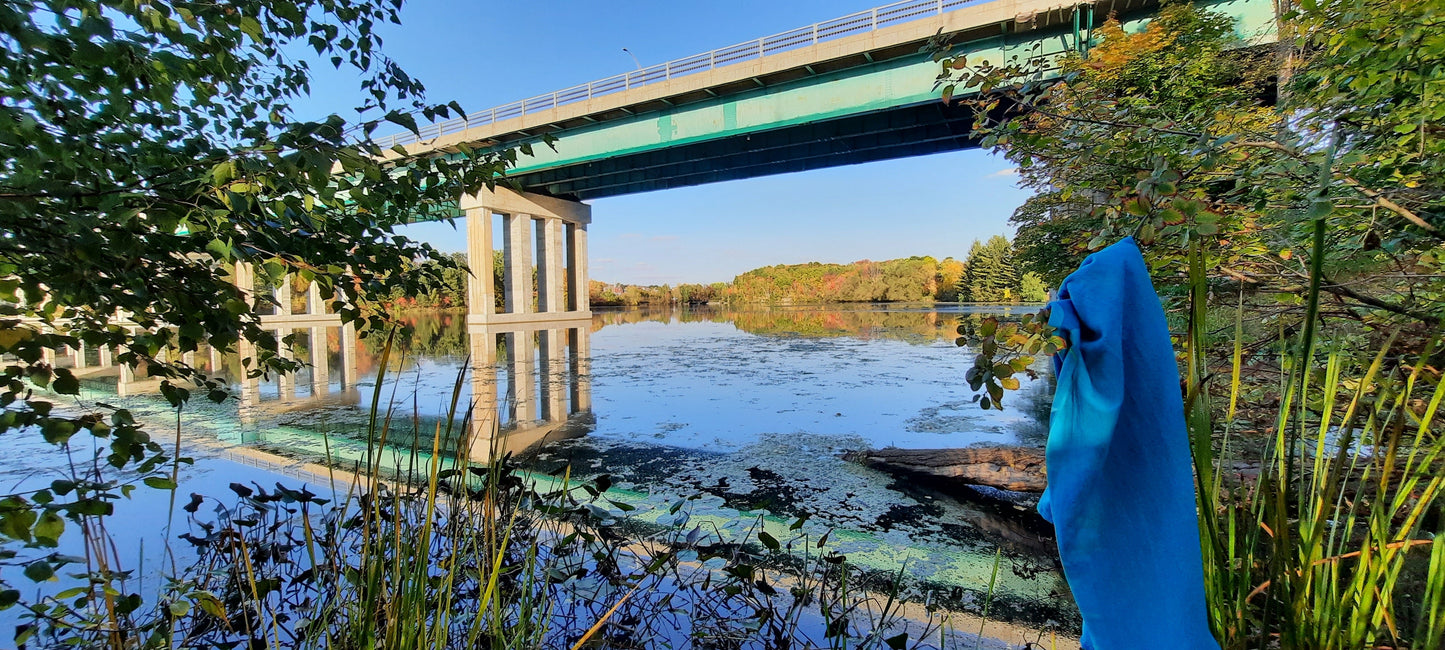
1017,469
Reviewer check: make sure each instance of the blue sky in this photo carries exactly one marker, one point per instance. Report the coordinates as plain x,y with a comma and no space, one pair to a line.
485,53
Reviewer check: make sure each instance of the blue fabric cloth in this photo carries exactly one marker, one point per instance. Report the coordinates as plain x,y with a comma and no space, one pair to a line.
1120,481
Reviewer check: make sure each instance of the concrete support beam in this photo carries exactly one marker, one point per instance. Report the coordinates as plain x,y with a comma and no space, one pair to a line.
320,360
314,305
507,201
283,297
285,383
349,371
481,290
577,278
549,267
517,259
244,275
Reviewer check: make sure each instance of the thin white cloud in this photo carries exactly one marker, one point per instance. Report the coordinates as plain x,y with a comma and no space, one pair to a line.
664,238
1004,173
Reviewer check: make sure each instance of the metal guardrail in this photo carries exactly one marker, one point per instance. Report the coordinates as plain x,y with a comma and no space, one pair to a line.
859,23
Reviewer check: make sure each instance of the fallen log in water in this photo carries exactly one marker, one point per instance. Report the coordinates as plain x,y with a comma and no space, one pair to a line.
1017,469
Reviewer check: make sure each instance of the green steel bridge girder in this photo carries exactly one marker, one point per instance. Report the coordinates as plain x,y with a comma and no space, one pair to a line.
888,109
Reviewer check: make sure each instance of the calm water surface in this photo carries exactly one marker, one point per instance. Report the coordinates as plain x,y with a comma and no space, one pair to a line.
751,409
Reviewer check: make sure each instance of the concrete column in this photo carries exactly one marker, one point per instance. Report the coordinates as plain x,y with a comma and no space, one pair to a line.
580,355
517,257
80,357
189,358
349,371
314,304
250,400
577,276
283,297
320,361
481,290
244,276
124,382
215,359
127,376
521,384
552,347
107,358
549,268
285,383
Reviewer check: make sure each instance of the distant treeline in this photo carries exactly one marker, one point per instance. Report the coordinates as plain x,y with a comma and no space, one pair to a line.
989,274
603,294
904,280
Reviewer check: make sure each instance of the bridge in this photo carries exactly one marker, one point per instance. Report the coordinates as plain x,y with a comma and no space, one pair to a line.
845,91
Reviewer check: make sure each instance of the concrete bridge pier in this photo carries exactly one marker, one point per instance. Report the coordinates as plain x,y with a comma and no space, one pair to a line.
560,247
285,383
320,360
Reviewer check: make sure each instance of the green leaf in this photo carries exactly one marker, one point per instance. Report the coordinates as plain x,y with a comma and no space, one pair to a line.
404,120
49,528
210,605
252,28
768,540
65,383
223,173
159,483
39,571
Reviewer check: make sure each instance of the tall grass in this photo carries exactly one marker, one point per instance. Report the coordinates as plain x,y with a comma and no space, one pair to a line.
1335,543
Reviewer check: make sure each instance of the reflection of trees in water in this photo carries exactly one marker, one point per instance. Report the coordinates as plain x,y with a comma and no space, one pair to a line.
911,327
916,327
444,333
432,334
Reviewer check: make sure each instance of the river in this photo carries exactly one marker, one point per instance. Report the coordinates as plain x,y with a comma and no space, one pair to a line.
751,410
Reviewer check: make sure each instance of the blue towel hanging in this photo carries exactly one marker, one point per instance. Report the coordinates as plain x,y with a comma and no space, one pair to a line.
1120,482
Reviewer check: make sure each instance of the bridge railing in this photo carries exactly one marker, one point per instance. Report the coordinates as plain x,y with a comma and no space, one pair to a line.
858,23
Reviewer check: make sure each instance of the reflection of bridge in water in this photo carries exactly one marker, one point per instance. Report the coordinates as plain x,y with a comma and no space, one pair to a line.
548,390
529,384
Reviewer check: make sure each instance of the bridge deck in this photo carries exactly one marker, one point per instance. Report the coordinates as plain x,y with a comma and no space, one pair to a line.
648,90
822,99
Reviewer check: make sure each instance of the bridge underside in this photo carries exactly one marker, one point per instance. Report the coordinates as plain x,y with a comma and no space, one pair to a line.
900,132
